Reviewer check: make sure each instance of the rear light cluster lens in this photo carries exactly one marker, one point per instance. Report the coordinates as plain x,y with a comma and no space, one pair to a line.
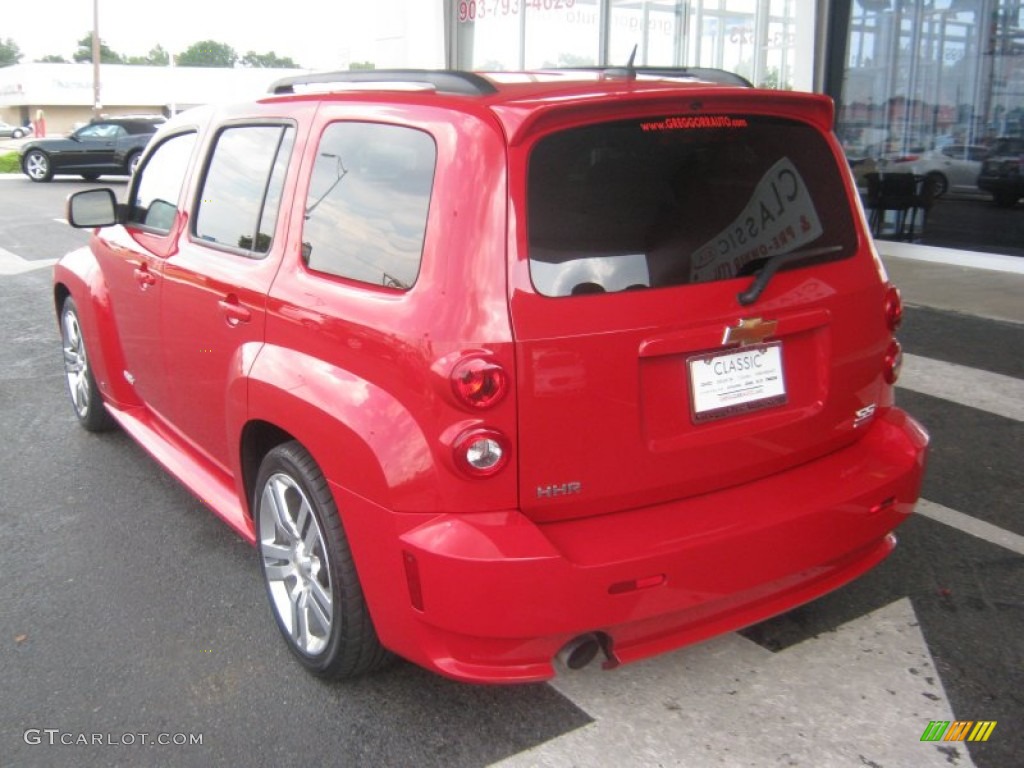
481,452
893,360
893,308
479,383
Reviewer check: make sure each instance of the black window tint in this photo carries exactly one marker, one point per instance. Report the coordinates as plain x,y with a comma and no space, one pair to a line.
680,200
242,190
158,184
366,211
101,131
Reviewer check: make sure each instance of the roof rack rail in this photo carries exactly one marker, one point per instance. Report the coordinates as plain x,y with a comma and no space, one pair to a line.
711,74
443,80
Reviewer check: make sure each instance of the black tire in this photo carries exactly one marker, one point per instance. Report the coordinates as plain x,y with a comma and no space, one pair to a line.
85,395
132,161
90,176
308,571
17,133
36,165
938,183
1006,199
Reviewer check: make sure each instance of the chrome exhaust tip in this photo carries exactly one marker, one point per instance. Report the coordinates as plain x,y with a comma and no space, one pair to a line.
579,652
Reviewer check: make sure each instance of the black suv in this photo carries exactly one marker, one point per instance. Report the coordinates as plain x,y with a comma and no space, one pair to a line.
1001,173
110,145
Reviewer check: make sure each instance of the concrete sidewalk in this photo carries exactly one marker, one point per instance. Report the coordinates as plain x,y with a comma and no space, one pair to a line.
980,284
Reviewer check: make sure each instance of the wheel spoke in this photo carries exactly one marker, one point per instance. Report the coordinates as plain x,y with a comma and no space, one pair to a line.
295,617
273,551
72,360
312,540
82,394
320,604
302,519
285,520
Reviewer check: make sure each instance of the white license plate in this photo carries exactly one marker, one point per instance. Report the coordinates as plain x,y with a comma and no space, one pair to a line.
728,383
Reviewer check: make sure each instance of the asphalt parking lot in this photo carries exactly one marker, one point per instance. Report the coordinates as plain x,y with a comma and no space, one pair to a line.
134,629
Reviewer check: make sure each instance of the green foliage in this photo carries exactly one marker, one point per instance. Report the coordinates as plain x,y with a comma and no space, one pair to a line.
362,65
52,58
107,56
208,53
10,53
9,163
157,57
269,60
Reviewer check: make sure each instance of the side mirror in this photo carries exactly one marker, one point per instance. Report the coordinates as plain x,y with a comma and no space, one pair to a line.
92,208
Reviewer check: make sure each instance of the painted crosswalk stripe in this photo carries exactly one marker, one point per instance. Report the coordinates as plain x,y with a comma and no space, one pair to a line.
13,264
972,525
984,390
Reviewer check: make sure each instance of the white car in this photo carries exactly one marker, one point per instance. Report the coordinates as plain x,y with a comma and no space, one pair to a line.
953,168
8,131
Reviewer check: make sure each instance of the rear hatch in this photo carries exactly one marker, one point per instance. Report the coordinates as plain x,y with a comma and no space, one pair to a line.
642,374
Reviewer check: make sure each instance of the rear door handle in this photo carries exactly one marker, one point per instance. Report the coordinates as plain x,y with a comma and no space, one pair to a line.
234,312
144,277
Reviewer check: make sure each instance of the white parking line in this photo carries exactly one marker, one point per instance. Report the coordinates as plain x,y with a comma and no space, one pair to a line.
859,695
13,264
972,525
986,391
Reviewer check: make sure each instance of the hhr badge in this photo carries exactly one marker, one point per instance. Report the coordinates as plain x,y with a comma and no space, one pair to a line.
553,491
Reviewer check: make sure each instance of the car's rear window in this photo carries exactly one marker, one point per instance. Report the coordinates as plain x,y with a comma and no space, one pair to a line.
680,200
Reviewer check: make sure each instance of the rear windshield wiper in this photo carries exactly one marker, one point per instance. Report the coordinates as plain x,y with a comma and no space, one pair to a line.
766,268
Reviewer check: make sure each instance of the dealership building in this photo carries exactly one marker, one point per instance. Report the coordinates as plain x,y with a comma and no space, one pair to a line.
906,75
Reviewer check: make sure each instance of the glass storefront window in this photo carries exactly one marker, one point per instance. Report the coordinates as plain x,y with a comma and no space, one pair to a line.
753,38
929,88
655,28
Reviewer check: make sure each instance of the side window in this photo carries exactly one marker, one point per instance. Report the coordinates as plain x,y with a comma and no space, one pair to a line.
242,190
158,184
101,131
366,211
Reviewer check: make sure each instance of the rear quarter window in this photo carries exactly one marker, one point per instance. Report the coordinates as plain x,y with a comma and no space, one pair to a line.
367,205
680,201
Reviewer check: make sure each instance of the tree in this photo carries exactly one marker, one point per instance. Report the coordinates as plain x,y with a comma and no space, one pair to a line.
362,65
157,57
10,53
52,58
269,60
107,56
208,53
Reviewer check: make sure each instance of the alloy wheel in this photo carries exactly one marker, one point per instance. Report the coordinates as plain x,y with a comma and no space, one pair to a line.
295,562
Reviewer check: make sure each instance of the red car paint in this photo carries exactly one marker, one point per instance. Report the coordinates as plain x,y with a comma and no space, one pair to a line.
616,510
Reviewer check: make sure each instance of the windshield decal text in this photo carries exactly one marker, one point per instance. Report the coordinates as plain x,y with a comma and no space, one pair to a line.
690,123
779,217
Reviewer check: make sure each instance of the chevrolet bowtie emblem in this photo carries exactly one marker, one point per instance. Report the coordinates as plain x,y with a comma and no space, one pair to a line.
751,331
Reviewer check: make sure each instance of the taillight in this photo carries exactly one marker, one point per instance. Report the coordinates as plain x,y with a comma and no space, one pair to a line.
479,383
894,352
892,362
893,308
481,452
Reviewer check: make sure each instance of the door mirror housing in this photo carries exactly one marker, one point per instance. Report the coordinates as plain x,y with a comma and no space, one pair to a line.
92,208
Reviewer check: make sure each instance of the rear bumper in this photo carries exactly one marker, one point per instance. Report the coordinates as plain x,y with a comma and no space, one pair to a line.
493,597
